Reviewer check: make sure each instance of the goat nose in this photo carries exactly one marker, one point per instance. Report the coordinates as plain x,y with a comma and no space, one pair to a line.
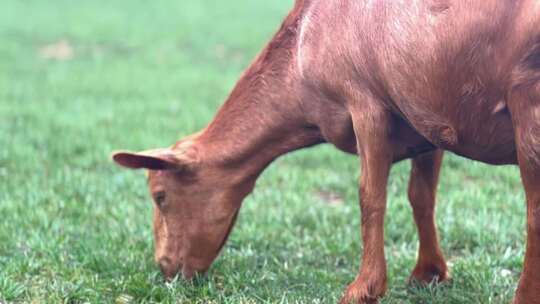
164,263
167,267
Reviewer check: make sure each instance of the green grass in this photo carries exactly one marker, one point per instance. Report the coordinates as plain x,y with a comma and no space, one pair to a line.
75,228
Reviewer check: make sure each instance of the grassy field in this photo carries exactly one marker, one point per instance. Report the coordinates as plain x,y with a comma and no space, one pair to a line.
79,79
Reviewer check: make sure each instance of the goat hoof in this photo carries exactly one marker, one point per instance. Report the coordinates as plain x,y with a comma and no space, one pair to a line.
364,292
427,274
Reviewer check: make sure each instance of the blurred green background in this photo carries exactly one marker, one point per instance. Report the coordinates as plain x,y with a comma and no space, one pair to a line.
79,79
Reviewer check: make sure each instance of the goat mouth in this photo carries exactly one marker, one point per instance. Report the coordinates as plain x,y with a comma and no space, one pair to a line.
186,272
189,274
170,276
169,272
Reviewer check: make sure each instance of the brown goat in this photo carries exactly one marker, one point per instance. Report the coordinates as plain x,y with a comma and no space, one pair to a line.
386,80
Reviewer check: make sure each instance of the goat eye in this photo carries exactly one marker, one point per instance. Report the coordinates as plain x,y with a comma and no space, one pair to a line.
159,198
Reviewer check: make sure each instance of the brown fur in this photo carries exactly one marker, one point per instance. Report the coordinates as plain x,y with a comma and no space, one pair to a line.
386,80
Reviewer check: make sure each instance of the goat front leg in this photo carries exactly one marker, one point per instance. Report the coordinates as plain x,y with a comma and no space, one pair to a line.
431,265
371,126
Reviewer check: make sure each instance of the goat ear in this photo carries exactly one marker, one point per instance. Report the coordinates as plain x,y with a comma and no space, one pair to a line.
160,159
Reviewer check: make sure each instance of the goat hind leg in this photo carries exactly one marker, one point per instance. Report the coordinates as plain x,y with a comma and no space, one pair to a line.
431,265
